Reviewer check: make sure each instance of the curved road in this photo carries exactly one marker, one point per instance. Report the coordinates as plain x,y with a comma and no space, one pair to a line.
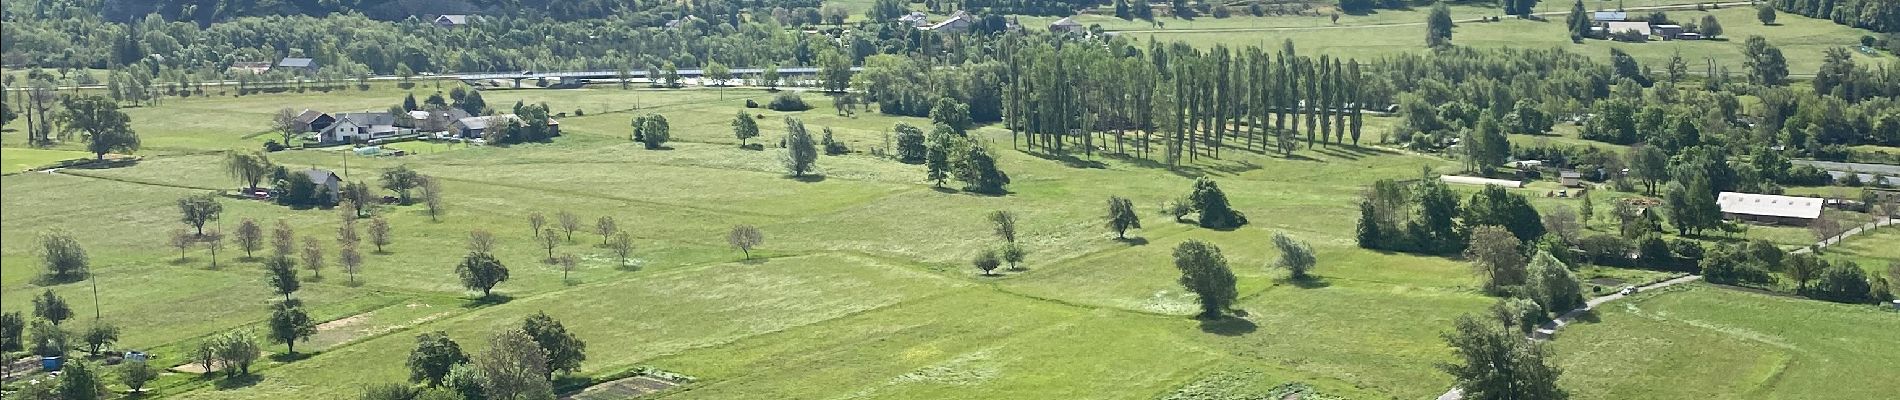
1550,328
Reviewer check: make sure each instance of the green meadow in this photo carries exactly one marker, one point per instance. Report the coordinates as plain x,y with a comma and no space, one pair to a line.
862,289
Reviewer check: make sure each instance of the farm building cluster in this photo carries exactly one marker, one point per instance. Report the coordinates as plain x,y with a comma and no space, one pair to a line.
1619,26
373,127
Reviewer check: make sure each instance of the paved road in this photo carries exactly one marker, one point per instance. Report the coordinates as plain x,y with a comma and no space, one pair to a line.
1389,25
1550,328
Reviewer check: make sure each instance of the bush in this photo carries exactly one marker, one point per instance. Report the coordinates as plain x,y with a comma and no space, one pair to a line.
1605,249
751,104
788,101
273,146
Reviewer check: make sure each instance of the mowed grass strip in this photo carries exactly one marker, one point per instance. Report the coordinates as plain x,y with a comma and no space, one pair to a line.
21,159
1704,342
630,321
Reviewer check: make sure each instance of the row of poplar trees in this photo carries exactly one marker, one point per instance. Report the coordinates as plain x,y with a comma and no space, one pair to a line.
1198,102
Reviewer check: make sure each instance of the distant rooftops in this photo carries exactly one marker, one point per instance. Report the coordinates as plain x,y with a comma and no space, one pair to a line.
1769,205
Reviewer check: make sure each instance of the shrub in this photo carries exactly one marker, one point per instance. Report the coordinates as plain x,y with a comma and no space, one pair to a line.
751,104
273,146
788,101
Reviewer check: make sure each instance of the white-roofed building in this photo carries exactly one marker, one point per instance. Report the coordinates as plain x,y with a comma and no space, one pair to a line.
1786,210
1472,180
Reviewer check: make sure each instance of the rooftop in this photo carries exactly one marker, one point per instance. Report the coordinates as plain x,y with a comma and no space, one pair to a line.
1769,205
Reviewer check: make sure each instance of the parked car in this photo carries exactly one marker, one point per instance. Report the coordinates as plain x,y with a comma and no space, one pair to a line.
1627,290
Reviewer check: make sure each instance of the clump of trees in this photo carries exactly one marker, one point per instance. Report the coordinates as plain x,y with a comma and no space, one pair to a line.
1421,217
652,131
1211,204
519,364
1496,362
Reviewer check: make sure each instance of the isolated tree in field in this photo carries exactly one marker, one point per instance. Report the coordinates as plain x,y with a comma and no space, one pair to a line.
514,367
205,355
282,276
401,180
1013,254
284,121
605,226
1710,27
100,336
213,241
1578,22
351,260
480,271
1204,272
432,197
1122,216
77,380
1586,209
1295,256
1495,257
1215,213
283,240
801,151
622,245
718,73
435,355
744,127
1004,223
106,128
986,261
1438,26
652,131
135,374
536,222
1497,364
249,237
289,324
356,199
549,240
569,224
481,241
64,259
379,233
181,240
1766,14
346,233
567,262
313,257
565,351
744,238
237,350
1552,285
1178,208
52,308
248,166
911,146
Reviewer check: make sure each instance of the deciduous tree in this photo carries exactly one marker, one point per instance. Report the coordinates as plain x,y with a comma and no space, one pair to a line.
1295,256
289,324
514,367
481,271
565,351
744,238
1495,256
106,128
1122,216
1204,272
52,308
379,233
64,259
435,355
801,151
1496,364
249,237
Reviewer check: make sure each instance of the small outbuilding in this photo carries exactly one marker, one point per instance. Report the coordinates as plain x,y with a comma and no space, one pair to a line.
1472,180
328,184
1609,16
297,65
1066,25
1570,178
1668,32
1768,208
451,20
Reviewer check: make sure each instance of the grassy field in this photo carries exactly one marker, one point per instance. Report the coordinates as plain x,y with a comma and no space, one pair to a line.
863,272
1701,342
1802,39
17,159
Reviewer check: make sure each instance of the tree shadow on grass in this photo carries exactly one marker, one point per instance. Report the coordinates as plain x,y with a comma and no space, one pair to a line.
808,178
1587,316
489,300
239,382
756,260
1309,282
1133,241
1068,159
1228,326
292,357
